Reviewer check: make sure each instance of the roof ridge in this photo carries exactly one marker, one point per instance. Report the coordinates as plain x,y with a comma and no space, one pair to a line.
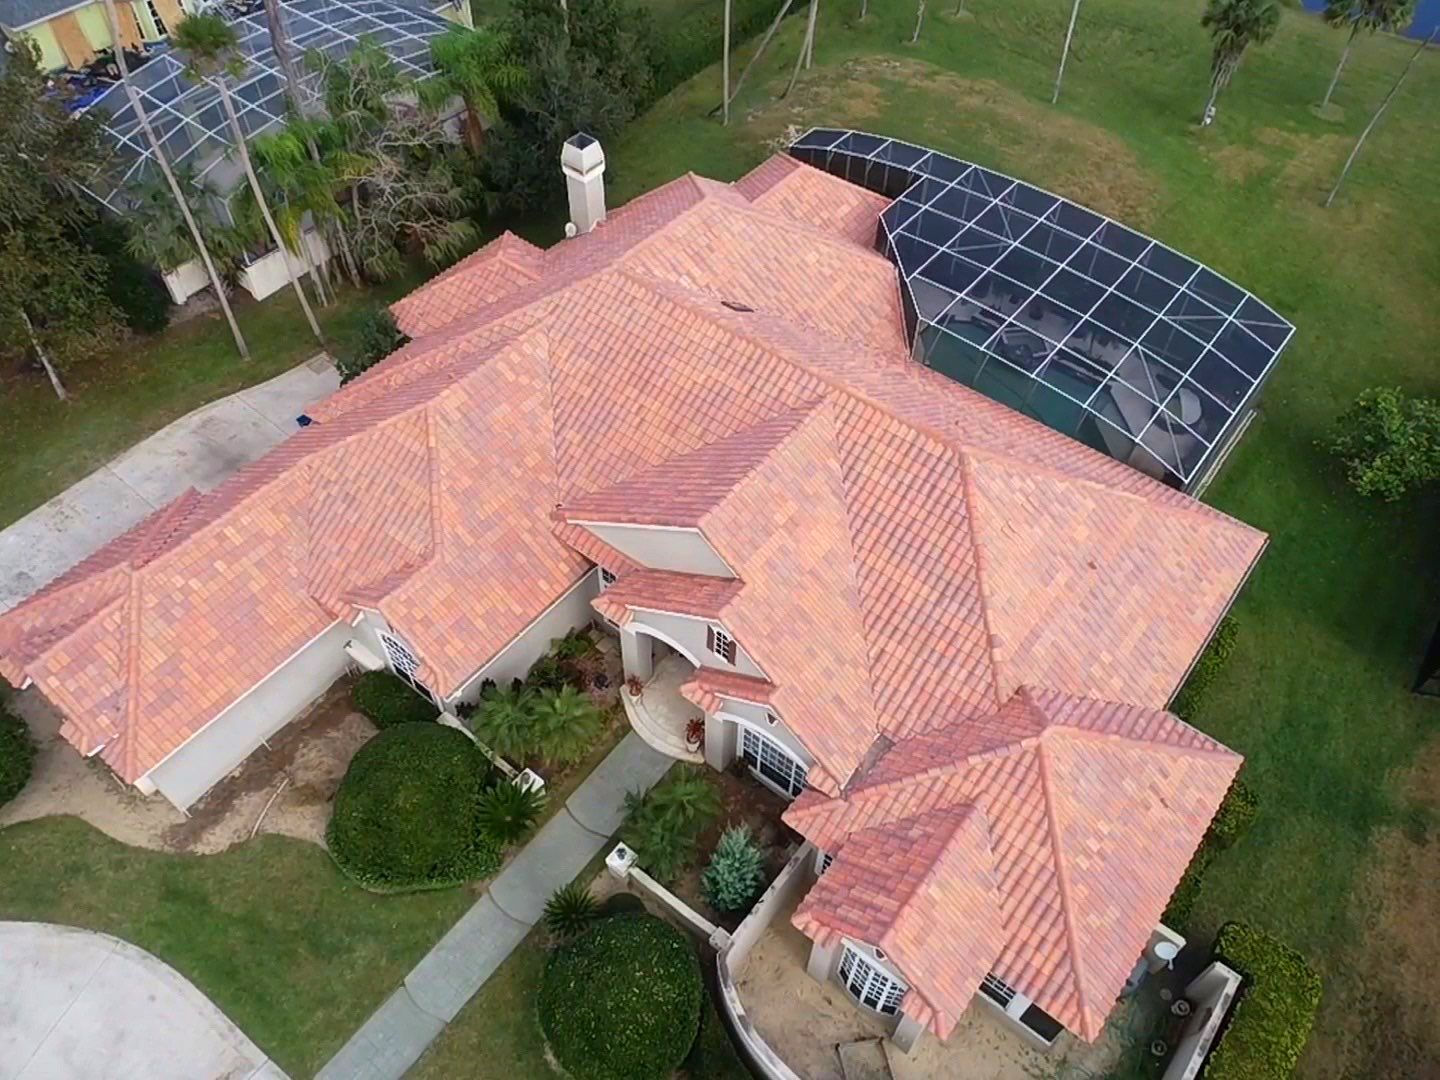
1067,730
792,419
1062,876
132,666
982,559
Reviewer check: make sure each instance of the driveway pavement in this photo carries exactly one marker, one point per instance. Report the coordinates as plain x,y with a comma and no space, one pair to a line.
199,450
75,1005
433,993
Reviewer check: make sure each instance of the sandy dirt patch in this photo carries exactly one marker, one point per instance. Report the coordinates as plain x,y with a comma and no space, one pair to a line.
1071,156
308,757
806,1022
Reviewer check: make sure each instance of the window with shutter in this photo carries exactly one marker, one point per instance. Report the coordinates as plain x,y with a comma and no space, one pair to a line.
720,644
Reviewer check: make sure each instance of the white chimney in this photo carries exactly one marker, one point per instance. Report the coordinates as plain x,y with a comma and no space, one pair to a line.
583,163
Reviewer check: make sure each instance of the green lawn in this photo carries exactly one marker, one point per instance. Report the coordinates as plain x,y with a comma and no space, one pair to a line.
118,400
286,946
1335,618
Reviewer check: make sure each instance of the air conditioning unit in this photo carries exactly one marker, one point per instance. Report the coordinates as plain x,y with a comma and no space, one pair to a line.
362,657
530,780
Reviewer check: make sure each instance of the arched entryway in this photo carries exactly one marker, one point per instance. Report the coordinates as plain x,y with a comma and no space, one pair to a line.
660,714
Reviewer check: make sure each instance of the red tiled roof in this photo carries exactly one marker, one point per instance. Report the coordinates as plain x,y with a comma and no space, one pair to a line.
904,886
663,590
1093,811
709,685
907,554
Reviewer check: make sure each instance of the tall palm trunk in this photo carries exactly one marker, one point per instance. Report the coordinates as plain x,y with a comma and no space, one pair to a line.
238,134
1335,79
765,41
919,21
280,44
1224,71
44,357
725,64
1065,52
804,46
156,152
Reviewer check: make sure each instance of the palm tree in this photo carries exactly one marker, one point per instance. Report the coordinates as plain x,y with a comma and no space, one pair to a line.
297,187
1065,52
210,44
162,233
478,67
158,155
1234,26
566,724
1371,15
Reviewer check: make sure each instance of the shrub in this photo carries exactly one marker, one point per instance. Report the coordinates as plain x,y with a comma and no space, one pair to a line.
736,871
376,337
502,722
1388,442
570,910
713,1056
565,723
547,673
622,903
688,46
17,755
663,825
506,812
134,288
622,1002
388,700
1272,1018
406,813
1231,821
1212,661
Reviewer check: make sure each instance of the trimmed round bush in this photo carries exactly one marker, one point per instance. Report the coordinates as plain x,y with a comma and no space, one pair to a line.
622,1002
388,701
405,814
17,755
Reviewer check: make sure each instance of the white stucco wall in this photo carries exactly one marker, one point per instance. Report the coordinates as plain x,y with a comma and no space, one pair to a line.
758,717
687,635
570,611
219,747
266,275
684,551
186,280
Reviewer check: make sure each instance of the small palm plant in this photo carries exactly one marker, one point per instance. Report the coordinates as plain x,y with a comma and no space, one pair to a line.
570,910
663,826
479,67
1234,26
566,724
736,871
507,812
503,722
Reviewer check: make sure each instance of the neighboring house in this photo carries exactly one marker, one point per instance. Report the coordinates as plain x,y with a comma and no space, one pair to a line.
947,631
71,35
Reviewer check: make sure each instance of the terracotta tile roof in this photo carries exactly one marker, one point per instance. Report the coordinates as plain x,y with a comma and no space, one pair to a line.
664,590
1094,810
709,686
924,890
907,554
500,267
784,186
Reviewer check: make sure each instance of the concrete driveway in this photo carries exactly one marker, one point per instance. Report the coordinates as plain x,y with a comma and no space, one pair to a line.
75,1005
199,450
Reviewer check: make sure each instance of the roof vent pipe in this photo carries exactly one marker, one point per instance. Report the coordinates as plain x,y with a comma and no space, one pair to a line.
583,163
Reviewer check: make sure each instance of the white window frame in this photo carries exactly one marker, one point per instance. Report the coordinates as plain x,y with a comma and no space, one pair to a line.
403,663
607,578
758,750
161,30
722,645
870,985
1002,996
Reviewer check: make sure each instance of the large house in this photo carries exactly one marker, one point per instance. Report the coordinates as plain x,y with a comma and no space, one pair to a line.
946,630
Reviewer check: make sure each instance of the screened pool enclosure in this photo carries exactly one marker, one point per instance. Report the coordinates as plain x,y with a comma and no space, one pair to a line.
1061,313
187,115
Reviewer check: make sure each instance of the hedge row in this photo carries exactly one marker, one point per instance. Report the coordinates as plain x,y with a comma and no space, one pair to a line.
688,46
622,1002
388,700
1211,661
17,755
406,813
1231,820
1271,1020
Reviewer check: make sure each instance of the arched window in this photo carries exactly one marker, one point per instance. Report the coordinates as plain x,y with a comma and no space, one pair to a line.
772,763
868,984
404,663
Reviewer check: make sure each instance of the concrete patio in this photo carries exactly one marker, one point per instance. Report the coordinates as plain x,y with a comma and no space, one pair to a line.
661,714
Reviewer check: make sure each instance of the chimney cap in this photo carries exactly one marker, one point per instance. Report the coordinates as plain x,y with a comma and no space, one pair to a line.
582,157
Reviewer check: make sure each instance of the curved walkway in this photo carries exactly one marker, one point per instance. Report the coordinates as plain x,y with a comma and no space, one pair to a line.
75,1005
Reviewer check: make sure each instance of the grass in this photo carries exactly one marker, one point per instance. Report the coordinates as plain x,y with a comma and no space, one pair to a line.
1333,623
118,400
298,975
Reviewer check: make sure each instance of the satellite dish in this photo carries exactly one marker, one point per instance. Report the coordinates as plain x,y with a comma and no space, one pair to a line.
570,230
1166,951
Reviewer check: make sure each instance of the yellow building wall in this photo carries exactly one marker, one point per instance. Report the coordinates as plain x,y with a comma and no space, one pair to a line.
51,55
147,23
96,27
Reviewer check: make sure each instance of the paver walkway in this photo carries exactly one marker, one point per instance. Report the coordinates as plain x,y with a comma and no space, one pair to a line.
199,450
433,993
75,1004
